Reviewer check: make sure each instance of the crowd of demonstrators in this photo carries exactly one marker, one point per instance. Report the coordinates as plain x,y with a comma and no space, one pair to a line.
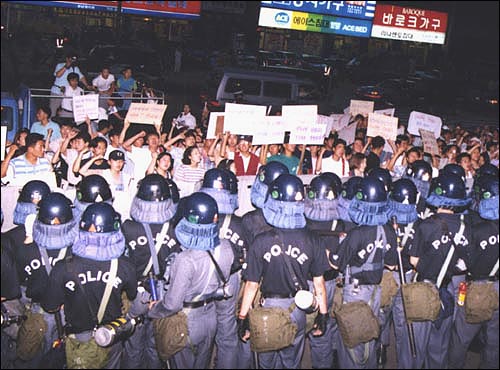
341,233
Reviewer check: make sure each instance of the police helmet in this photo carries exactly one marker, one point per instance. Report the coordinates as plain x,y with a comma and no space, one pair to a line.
454,169
448,185
200,208
371,190
216,178
93,188
350,187
153,188
404,191
174,190
55,209
487,169
233,182
335,179
286,188
487,187
269,172
100,218
420,170
383,175
33,191
322,187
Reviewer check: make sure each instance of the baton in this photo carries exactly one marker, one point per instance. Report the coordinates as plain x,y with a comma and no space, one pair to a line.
409,325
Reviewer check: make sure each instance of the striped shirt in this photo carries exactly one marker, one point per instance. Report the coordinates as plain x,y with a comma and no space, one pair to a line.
188,174
21,171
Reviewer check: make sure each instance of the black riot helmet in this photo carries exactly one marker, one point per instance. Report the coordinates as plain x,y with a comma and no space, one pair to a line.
100,218
271,171
404,190
286,188
350,187
448,185
33,191
93,188
335,179
487,169
454,169
383,175
153,188
174,190
322,187
371,190
200,208
233,182
216,178
55,209
487,187
420,170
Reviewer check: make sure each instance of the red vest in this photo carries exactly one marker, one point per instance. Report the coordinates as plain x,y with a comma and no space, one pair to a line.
252,165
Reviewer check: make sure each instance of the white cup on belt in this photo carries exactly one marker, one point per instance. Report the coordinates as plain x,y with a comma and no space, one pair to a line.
306,301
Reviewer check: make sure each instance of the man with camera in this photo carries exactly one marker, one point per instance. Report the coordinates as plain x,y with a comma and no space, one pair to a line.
61,73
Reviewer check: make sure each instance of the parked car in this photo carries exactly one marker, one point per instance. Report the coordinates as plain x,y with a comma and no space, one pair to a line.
267,58
395,90
287,58
313,62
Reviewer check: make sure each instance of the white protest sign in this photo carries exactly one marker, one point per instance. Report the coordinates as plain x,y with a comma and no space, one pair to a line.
3,141
299,120
85,105
146,113
339,121
361,107
348,133
382,125
429,141
240,118
269,130
419,120
387,112
212,124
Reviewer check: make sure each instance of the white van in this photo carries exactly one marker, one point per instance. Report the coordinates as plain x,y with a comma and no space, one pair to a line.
266,88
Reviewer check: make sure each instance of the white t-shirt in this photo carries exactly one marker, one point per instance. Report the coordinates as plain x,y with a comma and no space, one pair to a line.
103,84
331,165
69,92
141,158
186,120
70,158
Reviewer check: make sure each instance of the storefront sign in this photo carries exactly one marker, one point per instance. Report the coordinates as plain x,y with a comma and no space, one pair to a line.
293,20
409,24
352,9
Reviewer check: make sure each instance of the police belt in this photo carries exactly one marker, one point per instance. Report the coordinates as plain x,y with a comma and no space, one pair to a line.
278,296
198,304
481,278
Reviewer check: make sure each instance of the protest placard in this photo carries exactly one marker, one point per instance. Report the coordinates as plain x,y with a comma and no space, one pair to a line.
429,141
419,120
85,106
146,113
268,130
361,107
382,125
387,112
302,122
239,118
338,122
348,133
213,129
3,141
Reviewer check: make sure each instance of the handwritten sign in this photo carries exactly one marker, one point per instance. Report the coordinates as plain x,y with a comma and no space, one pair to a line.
268,130
239,118
3,141
212,124
382,125
146,113
429,141
419,120
302,121
348,133
338,122
387,112
85,105
361,107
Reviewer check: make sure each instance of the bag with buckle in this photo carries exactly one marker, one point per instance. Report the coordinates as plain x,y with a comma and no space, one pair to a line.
389,289
422,301
272,328
171,334
357,323
85,355
30,337
481,301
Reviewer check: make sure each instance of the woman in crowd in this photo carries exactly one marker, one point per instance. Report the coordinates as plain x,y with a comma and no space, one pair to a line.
161,164
189,172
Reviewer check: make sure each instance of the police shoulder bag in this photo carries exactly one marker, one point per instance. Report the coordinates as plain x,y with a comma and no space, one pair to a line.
481,300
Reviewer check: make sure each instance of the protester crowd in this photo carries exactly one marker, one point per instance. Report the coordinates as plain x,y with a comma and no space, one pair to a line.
375,212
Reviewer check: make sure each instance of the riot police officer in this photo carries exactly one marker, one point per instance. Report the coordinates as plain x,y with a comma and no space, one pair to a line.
253,221
383,175
195,283
281,279
420,173
222,186
349,189
482,269
437,252
91,189
54,232
361,257
90,284
322,218
151,245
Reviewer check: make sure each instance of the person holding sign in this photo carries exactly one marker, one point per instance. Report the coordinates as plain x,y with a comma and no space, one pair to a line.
337,163
69,91
287,158
245,161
